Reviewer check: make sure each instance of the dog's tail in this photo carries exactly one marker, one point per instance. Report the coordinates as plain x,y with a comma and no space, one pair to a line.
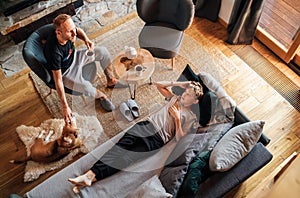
19,161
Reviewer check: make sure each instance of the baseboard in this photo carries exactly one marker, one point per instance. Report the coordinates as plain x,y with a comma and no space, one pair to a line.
222,22
295,68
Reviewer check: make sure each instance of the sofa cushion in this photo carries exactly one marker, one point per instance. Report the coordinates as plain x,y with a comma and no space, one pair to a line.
186,149
207,106
220,183
177,163
198,171
150,188
215,106
224,108
235,145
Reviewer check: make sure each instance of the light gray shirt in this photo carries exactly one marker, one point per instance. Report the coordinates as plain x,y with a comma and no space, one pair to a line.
165,123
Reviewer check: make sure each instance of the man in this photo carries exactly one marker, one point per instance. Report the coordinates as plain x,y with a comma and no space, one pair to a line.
66,63
171,122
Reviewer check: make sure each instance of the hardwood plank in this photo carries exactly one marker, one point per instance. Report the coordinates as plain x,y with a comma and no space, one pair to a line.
293,3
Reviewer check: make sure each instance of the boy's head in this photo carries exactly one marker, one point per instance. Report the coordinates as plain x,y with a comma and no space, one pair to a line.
198,89
192,94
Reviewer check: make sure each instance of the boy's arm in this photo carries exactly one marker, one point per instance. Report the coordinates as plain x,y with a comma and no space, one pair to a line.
179,133
163,85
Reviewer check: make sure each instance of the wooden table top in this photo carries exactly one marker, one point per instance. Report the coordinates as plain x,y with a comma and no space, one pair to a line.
125,68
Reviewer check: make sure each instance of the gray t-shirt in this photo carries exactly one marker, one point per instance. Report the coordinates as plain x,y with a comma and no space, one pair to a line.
165,123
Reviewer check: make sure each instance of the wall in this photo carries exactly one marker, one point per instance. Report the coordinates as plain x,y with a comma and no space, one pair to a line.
225,11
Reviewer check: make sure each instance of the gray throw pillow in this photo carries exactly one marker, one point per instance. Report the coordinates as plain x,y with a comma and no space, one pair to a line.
235,145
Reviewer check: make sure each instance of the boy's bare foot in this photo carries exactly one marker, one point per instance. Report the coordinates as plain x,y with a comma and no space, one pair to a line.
76,189
81,180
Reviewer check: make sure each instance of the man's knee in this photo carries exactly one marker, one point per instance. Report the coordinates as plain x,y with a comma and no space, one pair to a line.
102,51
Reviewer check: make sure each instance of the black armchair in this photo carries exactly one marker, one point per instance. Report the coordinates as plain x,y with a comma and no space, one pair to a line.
165,22
34,57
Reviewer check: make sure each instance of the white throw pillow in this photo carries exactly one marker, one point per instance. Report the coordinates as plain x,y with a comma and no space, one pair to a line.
150,188
235,145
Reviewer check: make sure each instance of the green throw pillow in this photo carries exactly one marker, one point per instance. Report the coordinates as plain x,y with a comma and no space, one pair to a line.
198,171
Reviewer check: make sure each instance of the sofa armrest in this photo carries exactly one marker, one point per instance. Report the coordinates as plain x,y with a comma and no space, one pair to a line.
222,182
240,118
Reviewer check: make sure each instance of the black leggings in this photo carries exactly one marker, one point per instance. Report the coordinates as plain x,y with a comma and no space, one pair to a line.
139,142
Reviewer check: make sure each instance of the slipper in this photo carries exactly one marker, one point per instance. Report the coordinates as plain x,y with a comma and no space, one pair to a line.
107,104
124,109
135,110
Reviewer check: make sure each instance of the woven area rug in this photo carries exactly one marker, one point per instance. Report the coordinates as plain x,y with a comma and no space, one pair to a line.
90,133
200,56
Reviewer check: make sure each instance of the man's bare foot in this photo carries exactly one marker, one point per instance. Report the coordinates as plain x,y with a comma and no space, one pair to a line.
112,82
100,95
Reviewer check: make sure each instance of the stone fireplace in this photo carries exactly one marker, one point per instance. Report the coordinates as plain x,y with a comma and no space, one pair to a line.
9,7
21,17
91,16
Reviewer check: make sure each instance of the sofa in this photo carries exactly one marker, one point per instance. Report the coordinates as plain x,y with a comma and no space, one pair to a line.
227,150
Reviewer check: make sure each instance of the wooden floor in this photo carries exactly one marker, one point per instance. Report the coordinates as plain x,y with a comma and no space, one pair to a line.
20,104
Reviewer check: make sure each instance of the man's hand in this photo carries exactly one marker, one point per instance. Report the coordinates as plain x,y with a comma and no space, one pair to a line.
82,35
89,44
67,113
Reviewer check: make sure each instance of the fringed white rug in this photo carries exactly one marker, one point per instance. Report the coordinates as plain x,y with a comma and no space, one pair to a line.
90,133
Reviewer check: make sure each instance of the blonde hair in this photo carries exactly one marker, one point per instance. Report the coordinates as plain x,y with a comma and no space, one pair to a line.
198,89
60,19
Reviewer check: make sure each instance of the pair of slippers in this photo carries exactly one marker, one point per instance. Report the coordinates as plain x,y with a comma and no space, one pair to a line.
130,110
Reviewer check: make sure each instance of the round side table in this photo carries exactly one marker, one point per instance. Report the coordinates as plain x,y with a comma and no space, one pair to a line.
125,69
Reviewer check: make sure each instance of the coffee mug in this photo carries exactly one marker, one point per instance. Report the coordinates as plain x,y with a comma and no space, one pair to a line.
89,53
130,52
138,70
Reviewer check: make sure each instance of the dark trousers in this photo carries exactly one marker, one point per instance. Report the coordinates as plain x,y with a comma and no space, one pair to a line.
139,142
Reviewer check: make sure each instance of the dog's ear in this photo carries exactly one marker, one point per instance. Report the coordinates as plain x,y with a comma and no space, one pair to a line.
76,133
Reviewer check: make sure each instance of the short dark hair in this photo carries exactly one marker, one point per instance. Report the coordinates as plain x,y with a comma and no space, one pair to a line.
60,19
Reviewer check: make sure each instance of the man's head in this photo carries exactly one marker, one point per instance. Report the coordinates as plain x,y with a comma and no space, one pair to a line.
192,94
65,28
